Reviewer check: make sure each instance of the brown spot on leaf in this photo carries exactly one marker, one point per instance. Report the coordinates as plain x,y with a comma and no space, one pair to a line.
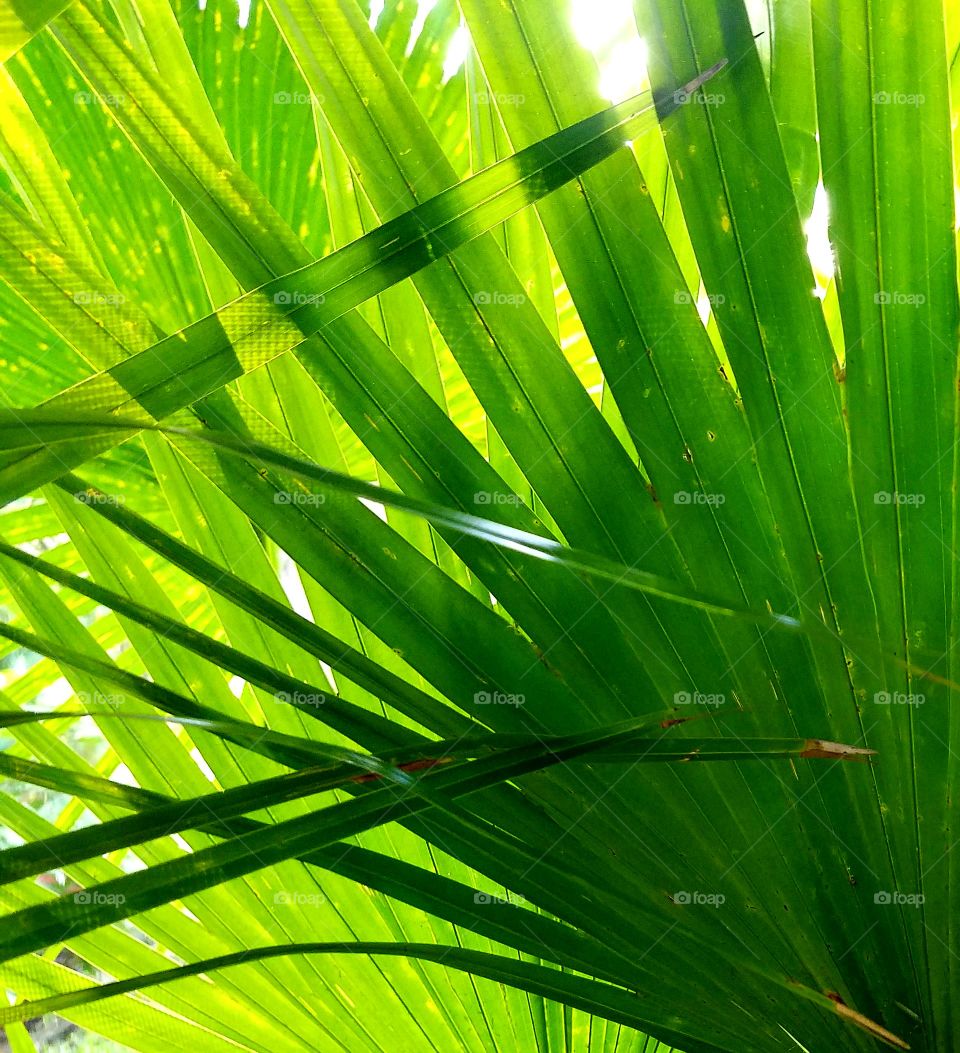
821,749
417,765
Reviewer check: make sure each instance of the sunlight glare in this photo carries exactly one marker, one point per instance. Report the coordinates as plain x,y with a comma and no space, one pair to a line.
607,28
624,73
376,10
819,249
456,52
599,23
424,7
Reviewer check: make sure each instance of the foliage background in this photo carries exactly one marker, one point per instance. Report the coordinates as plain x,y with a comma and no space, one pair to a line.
642,366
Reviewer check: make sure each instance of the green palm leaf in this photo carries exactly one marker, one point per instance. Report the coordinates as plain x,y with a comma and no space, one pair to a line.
415,463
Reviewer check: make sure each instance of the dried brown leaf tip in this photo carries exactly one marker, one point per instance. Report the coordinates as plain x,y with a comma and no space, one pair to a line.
878,1032
858,1019
820,748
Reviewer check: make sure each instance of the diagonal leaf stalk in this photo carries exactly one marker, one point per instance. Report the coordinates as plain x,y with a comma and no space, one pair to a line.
340,713
607,1000
256,850
593,996
534,545
533,933
405,697
627,747
279,315
35,927
37,421
28,426
20,22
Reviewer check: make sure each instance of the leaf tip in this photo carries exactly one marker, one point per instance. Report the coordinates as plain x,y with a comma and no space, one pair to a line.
822,749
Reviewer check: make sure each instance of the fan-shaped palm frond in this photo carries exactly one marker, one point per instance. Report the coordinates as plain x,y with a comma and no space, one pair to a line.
468,582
